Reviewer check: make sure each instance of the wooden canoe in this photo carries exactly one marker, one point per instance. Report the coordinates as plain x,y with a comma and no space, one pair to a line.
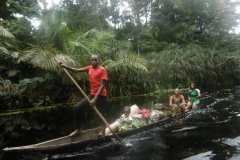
80,142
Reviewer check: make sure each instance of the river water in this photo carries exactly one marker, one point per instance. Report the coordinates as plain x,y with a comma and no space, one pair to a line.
212,131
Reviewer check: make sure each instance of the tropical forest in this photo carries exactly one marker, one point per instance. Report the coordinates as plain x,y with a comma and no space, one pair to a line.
146,46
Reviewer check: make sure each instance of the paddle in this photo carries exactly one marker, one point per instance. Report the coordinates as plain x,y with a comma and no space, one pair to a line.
100,115
204,94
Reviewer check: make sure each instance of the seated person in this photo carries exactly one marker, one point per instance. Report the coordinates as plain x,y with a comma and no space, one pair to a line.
193,97
177,101
125,120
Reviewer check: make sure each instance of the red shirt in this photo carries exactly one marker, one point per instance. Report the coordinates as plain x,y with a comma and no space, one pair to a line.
95,77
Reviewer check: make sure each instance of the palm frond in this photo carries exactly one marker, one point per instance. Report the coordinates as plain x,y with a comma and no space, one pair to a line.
12,73
100,42
126,61
78,47
46,58
3,51
5,33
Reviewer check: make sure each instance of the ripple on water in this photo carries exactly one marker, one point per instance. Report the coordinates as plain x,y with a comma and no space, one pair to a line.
232,142
185,129
202,156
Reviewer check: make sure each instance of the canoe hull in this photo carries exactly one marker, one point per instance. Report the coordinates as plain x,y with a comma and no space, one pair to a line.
88,138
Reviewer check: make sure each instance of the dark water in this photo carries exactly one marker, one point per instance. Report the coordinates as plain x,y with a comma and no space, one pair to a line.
212,131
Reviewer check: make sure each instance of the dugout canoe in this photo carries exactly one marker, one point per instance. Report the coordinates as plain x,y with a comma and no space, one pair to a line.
89,138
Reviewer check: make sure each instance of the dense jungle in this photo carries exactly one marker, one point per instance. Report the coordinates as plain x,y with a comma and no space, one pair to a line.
147,47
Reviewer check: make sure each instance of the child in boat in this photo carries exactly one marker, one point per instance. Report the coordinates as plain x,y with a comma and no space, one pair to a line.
125,120
115,126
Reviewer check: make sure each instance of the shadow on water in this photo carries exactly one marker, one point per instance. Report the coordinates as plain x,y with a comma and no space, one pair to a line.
212,131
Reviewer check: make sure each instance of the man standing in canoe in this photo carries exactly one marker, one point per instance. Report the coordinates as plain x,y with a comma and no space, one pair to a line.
97,77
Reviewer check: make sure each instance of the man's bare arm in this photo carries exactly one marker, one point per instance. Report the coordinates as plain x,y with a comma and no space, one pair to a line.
61,64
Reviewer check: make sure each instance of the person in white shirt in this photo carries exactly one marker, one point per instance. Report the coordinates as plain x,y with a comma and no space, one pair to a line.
125,121
126,117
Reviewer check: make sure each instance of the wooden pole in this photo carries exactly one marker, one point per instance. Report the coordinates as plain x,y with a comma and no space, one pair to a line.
100,115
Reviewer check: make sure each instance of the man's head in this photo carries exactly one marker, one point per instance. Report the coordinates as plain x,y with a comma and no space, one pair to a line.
94,60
